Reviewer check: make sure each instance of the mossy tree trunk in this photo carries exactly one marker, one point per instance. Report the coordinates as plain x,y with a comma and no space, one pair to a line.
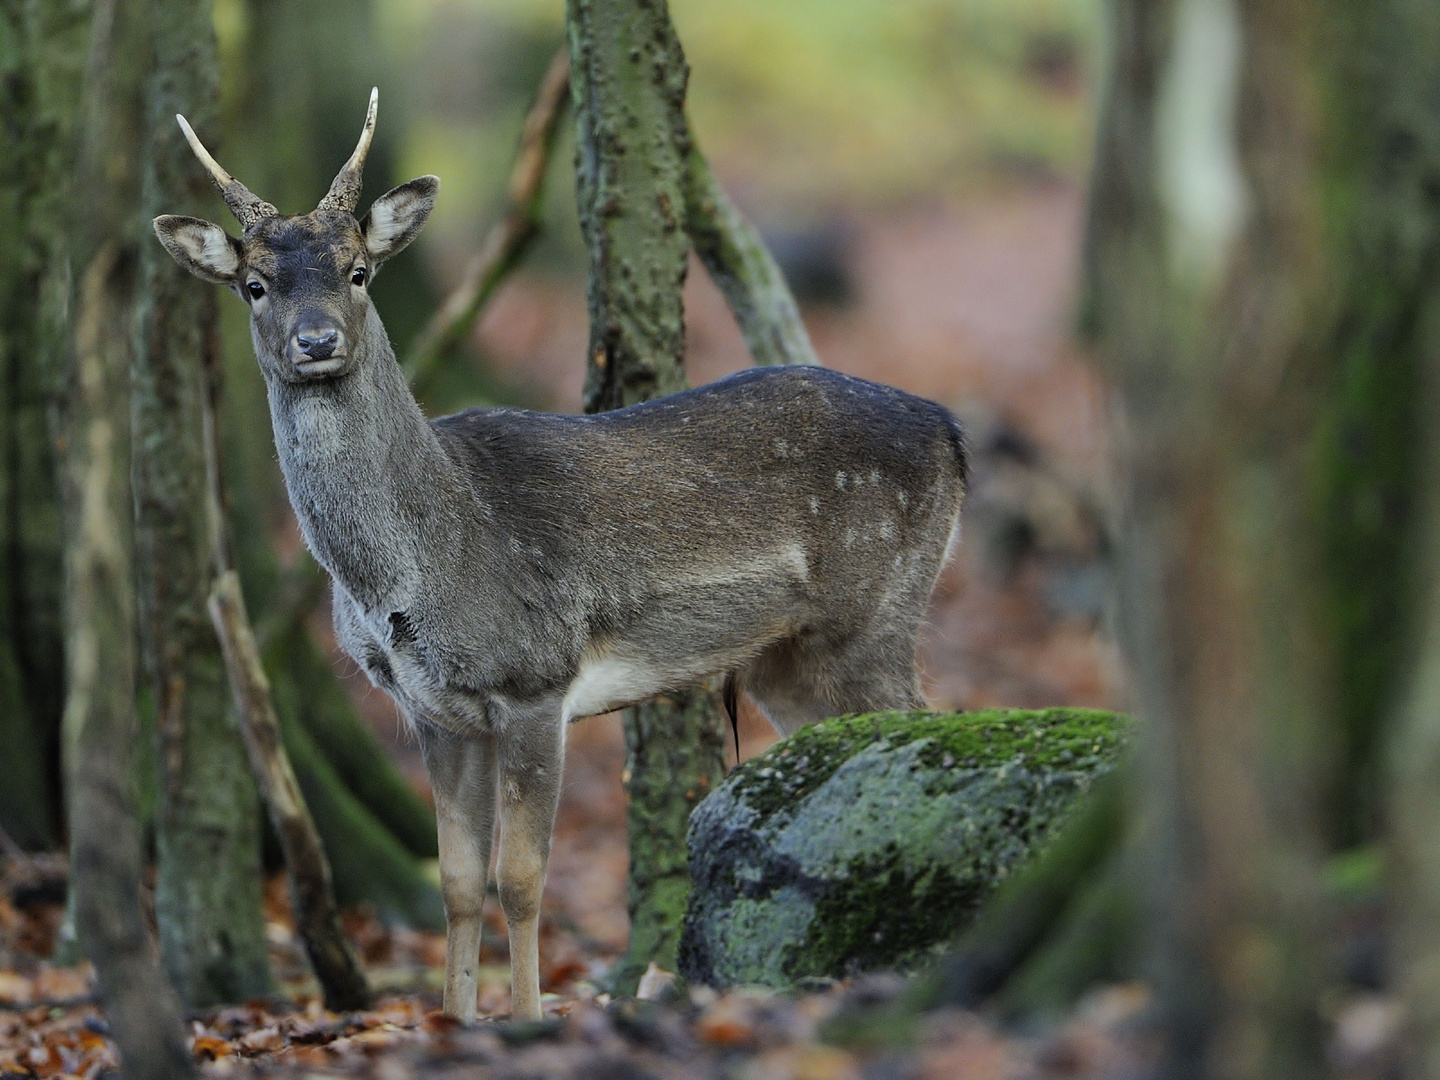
1277,360
1388,168
42,56
628,77
1392,392
1263,243
99,716
207,894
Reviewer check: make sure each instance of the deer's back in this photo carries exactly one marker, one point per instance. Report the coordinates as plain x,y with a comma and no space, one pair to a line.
846,472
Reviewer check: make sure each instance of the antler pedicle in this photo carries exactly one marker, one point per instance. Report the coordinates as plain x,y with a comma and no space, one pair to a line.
247,207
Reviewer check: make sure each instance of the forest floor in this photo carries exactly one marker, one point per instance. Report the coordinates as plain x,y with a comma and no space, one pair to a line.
969,305
51,1025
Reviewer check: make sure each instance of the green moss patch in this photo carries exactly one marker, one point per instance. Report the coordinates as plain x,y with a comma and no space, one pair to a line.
1040,738
864,842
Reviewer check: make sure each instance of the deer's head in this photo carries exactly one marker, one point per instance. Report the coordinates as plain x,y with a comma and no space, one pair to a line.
305,277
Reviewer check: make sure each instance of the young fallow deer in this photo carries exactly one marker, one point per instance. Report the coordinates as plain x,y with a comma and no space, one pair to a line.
500,572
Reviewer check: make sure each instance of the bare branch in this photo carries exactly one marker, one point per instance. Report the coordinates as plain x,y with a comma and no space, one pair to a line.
316,913
508,238
743,268
98,724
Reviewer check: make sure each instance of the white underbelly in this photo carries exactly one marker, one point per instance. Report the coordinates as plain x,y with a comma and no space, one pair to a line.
606,683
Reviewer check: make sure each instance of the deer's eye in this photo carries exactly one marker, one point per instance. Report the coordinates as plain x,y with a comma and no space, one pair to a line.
358,277
256,290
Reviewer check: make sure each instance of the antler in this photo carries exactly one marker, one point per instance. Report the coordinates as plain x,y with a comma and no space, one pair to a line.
344,190
247,207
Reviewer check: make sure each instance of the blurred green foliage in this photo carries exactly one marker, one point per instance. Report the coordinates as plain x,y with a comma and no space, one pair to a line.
860,98
803,104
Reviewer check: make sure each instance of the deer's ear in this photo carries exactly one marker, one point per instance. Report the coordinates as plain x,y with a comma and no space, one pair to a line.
202,247
397,216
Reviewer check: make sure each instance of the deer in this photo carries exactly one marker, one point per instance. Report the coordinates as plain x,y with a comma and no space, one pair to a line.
501,572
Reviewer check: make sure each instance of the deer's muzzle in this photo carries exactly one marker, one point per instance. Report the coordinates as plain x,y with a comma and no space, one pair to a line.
318,350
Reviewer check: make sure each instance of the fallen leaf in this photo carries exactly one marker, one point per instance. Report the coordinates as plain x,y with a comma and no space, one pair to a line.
729,1023
265,1041
44,1061
377,1039
437,1023
210,1048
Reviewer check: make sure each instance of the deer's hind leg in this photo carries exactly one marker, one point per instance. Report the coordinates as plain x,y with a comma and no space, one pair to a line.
800,680
462,774
874,673
532,760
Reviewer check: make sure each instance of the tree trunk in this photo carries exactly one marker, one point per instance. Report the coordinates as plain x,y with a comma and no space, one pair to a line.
99,720
627,79
42,55
1259,242
1391,389
208,880
744,270
105,856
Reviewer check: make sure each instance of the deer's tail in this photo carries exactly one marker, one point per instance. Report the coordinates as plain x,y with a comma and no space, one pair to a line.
730,696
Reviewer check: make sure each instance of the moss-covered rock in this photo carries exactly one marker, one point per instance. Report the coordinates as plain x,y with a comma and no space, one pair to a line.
865,842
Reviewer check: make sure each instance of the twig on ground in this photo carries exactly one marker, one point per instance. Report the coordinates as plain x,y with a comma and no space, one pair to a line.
316,913
508,238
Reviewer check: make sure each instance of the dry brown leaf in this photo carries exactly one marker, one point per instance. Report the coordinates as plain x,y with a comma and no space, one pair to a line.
730,1022
378,1039
210,1048
44,1060
265,1041
436,1022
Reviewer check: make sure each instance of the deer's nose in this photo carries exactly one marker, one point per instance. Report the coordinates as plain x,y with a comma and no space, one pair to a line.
318,344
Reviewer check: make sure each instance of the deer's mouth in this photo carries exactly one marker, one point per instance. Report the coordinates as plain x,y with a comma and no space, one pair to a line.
318,368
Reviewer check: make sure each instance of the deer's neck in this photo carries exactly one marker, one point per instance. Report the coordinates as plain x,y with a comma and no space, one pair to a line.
370,484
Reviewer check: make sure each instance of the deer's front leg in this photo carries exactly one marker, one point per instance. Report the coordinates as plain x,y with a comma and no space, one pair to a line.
462,774
531,761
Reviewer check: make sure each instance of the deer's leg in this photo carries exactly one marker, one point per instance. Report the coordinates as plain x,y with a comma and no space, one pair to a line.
798,682
531,763
782,684
877,672
462,774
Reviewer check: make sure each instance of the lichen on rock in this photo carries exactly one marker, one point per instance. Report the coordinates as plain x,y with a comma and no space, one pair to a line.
866,842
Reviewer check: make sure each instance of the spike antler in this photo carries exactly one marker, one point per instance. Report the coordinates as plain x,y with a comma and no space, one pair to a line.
247,207
344,190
